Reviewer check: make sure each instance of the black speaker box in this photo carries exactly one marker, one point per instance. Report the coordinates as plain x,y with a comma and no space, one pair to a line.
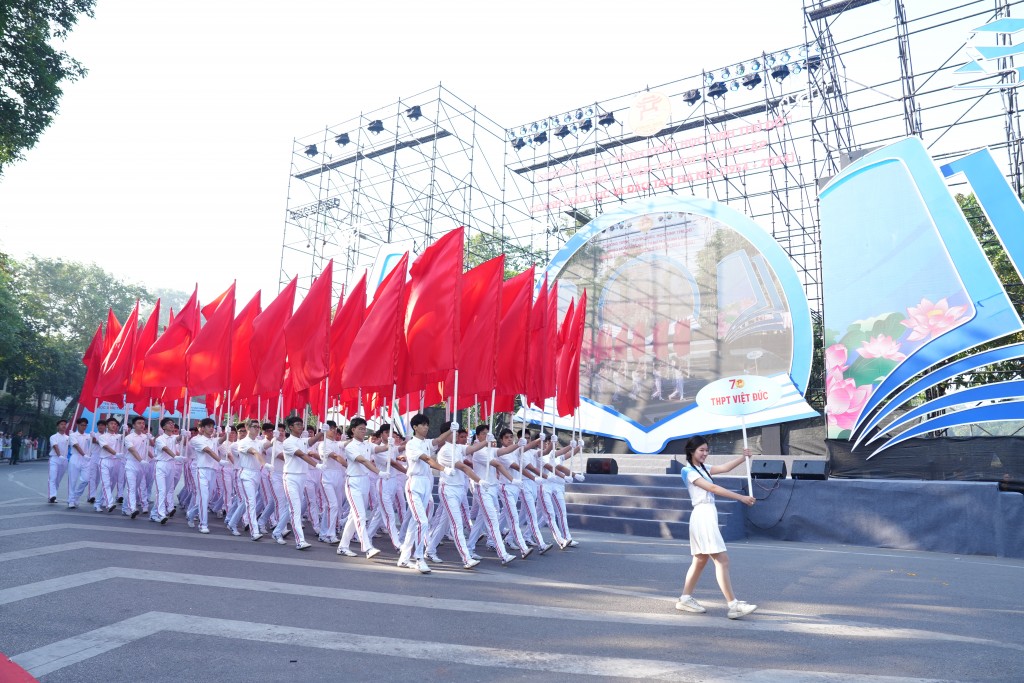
810,469
768,469
602,466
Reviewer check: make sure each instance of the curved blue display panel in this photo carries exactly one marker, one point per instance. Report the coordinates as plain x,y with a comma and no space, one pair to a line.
682,291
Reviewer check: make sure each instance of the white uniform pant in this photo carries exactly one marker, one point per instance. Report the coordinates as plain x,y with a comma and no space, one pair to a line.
553,498
204,483
509,498
487,518
76,465
529,511
108,474
417,495
385,514
293,486
357,490
164,477
333,481
58,466
135,476
249,486
454,503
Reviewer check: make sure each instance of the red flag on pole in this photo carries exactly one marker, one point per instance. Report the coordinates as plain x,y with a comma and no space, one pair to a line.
243,377
116,368
113,329
480,318
536,371
307,333
374,356
164,364
569,360
551,347
432,316
138,394
209,354
92,361
513,338
267,349
347,322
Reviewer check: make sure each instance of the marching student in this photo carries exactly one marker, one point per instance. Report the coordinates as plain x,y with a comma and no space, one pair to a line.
58,458
78,467
298,456
268,518
204,448
359,454
454,501
511,487
705,538
529,464
385,491
332,474
487,465
109,441
553,489
419,463
166,454
137,445
250,462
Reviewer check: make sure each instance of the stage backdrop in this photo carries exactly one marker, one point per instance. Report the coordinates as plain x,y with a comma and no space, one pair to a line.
681,292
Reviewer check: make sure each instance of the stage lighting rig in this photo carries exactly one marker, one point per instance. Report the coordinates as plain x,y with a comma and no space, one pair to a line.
376,126
586,126
691,97
342,139
751,81
780,72
717,90
541,138
606,119
562,132
311,151
413,113
518,144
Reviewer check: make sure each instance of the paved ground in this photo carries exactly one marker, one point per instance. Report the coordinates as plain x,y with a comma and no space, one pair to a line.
97,597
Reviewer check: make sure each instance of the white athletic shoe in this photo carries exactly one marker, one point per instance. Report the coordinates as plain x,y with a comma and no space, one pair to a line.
280,541
474,556
404,564
372,553
740,609
526,553
544,548
234,531
573,544
346,552
422,567
435,559
472,563
257,537
204,530
303,545
507,560
191,523
71,506
686,603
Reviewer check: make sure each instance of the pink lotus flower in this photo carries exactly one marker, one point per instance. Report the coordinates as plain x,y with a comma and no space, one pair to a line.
882,346
844,401
928,320
835,358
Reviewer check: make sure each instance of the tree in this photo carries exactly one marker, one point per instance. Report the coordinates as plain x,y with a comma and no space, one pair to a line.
32,70
483,246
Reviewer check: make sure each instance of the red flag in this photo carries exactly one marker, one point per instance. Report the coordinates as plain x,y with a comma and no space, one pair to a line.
513,346
551,347
209,354
137,394
432,316
569,361
116,369
536,382
209,309
480,316
307,334
243,377
267,348
165,360
92,361
374,356
113,329
347,322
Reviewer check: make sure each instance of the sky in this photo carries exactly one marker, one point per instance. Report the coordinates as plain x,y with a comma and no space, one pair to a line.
168,164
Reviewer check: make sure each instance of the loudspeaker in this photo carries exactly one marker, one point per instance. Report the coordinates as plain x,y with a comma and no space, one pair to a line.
810,469
602,466
768,469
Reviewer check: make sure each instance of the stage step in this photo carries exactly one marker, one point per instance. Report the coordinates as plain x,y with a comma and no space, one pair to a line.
646,505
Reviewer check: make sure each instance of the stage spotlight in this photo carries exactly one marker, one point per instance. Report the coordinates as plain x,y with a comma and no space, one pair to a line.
751,81
342,139
579,114
311,151
709,78
813,62
779,73
589,112
755,65
586,125
607,119
717,90
562,132
511,135
739,70
691,97
541,138
724,74
795,69
784,57
734,85
518,144
413,113
567,119
376,126
769,61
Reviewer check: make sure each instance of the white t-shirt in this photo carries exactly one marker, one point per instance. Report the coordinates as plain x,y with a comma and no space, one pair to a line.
529,459
246,460
276,449
697,494
60,441
356,449
165,441
111,441
293,464
83,441
482,464
330,447
446,459
554,478
203,459
414,448
140,442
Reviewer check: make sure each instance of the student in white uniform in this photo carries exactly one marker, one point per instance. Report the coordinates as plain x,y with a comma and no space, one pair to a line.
388,489
332,467
298,457
165,454
419,463
554,488
359,454
204,448
487,465
110,443
58,458
454,500
529,467
250,462
95,483
268,516
79,447
136,445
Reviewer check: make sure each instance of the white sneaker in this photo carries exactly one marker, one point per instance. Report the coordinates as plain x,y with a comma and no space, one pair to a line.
235,532
204,530
544,548
280,541
422,566
686,603
191,523
474,556
257,537
372,553
404,564
526,553
435,559
71,506
472,563
303,545
573,544
346,552
507,560
740,609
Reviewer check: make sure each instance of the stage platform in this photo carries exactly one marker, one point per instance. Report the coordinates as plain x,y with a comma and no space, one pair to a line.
972,518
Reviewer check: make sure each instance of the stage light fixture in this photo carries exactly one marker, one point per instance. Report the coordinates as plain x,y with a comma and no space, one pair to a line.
607,119
567,119
724,74
755,65
751,81
579,114
784,57
586,125
734,85
376,126
813,62
342,139
511,135
779,73
413,113
518,144
574,128
311,151
691,97
739,70
709,78
717,90
795,69
769,61
562,132
541,138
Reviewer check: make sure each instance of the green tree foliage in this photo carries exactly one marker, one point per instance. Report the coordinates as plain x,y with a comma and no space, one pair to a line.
483,246
32,69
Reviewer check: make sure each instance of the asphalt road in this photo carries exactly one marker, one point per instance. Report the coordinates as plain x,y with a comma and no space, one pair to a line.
88,596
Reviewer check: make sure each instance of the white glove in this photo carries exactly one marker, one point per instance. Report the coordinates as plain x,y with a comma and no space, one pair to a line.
268,467
391,442
449,471
455,426
385,475
579,477
567,478
522,443
572,443
554,440
320,466
543,437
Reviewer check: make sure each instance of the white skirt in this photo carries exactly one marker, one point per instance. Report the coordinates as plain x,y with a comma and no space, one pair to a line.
705,538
